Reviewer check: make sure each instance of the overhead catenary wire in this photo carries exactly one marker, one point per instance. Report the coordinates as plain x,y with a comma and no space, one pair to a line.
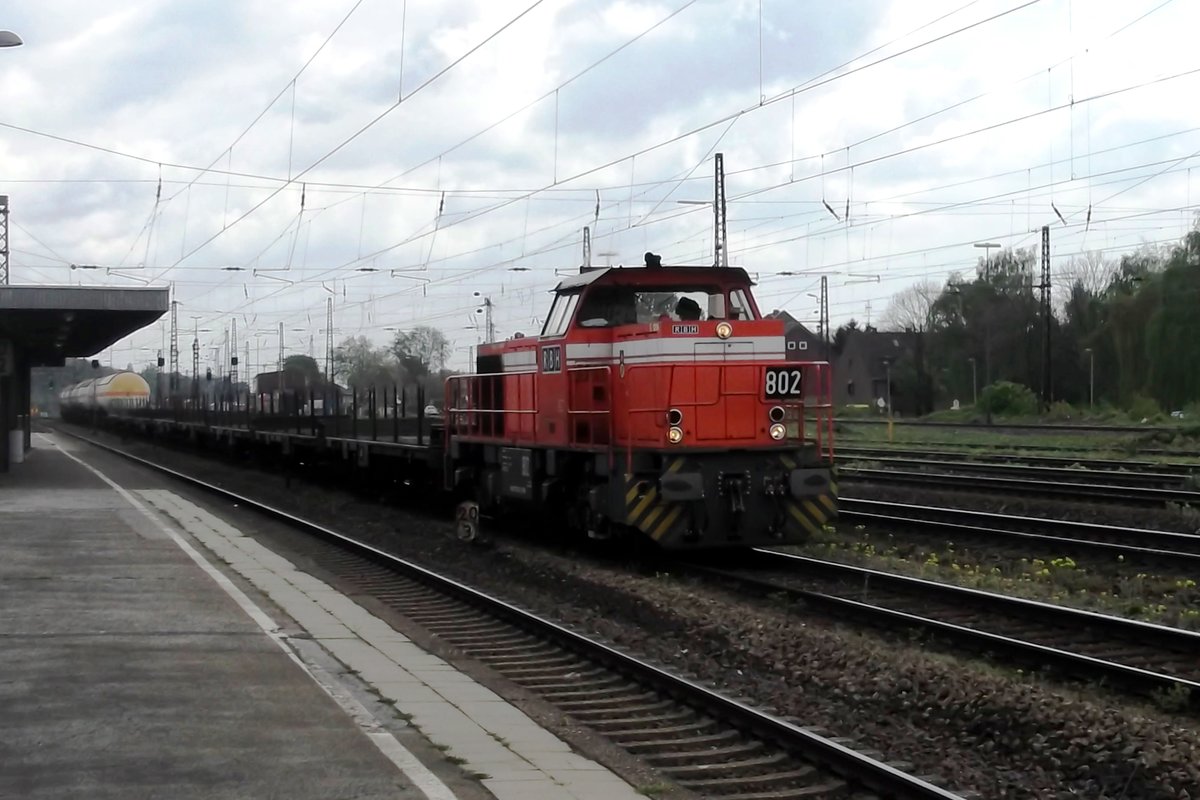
855,208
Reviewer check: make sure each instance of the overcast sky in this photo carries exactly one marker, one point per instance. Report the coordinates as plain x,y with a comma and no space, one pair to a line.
446,148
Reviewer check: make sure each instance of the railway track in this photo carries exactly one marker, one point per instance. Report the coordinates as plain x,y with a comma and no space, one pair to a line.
1063,428
1145,472
1180,549
701,740
1009,448
1045,487
1146,658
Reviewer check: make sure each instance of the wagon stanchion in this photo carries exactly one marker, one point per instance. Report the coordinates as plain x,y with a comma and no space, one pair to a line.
395,416
354,413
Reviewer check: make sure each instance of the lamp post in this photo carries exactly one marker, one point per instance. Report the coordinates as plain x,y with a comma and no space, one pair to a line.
1091,377
887,367
974,384
987,255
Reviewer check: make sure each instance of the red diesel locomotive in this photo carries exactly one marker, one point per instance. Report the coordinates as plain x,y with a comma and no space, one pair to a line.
656,400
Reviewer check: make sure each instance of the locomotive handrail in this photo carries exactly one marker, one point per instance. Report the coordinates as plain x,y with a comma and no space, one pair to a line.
459,418
467,394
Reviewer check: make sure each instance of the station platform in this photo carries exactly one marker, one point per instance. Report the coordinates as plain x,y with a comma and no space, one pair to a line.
149,648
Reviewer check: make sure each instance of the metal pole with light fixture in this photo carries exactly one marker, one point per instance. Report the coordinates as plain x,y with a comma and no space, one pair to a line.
7,39
988,246
1091,377
3,240
974,384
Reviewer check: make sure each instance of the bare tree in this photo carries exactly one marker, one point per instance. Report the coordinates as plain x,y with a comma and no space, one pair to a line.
1091,271
909,308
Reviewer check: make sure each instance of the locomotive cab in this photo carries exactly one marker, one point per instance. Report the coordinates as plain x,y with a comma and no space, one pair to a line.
656,400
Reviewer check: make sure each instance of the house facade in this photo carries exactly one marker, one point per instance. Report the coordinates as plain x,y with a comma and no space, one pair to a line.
865,360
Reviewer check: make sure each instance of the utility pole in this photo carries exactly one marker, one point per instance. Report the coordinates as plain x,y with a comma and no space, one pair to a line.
196,364
824,324
328,339
281,375
1046,315
3,240
233,359
174,379
720,243
487,319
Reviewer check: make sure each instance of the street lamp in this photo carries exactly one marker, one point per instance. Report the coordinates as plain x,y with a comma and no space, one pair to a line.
1091,376
987,255
9,39
887,366
974,384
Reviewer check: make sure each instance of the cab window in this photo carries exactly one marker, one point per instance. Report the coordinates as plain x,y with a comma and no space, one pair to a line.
560,314
609,306
739,305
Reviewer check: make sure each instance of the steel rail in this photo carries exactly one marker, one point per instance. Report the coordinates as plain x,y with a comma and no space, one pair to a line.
1172,469
1140,495
1051,427
1079,664
858,769
1096,476
1018,448
982,523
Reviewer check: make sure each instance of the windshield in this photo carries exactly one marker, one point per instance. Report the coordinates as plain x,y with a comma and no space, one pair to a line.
607,306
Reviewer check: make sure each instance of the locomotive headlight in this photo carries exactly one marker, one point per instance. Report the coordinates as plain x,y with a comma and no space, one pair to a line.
776,414
777,431
674,417
674,435
724,330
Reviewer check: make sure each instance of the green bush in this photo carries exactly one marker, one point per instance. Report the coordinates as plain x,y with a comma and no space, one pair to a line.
1061,411
1007,399
1143,407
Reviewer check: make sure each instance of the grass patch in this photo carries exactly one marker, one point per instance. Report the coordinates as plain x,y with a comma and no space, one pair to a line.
654,789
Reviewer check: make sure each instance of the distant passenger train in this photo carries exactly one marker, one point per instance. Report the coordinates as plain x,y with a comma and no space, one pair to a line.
119,391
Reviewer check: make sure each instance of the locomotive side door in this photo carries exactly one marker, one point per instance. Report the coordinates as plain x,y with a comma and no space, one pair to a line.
552,417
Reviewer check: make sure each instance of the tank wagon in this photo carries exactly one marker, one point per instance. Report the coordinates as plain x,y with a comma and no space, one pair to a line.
655,404
116,393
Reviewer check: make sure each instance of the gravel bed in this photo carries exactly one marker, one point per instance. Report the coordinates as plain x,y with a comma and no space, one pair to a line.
1000,732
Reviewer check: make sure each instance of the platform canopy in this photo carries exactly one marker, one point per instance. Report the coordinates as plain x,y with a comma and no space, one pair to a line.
50,323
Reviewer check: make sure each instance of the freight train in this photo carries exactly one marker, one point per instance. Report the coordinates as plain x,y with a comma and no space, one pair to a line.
656,403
